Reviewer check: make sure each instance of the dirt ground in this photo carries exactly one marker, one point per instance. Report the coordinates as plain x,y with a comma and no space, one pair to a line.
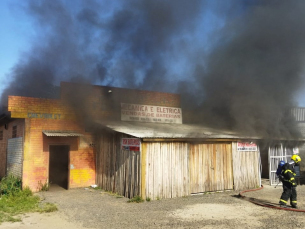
88,208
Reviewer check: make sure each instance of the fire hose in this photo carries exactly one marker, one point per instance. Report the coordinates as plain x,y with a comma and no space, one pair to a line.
269,205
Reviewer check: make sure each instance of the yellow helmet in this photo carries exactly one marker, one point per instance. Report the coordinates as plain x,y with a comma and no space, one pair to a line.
296,158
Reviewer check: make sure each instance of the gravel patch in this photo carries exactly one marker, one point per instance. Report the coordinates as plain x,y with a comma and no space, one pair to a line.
97,209
89,208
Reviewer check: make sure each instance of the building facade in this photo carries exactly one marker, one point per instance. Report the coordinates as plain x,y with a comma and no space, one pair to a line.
131,142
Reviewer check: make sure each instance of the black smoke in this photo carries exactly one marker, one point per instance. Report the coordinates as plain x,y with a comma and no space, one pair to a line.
253,74
237,64
125,43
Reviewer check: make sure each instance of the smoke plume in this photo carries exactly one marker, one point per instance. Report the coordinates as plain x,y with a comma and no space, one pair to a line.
237,64
253,74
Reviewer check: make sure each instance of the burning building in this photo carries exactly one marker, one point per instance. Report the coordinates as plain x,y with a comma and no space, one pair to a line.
241,76
132,142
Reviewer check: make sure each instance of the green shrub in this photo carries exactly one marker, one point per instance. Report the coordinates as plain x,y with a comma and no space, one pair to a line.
10,184
27,192
16,203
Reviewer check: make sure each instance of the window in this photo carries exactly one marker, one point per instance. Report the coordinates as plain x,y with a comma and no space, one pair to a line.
1,134
14,132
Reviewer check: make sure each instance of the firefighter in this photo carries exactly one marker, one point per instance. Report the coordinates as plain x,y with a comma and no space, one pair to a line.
287,177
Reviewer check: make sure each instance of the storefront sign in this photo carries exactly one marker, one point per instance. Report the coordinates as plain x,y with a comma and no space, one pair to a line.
131,144
246,146
44,115
295,150
147,113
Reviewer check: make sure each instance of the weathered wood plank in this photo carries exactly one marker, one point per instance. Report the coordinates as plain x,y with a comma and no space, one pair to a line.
143,172
169,172
117,170
209,167
246,172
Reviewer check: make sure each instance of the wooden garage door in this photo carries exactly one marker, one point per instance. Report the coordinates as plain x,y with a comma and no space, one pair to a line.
210,167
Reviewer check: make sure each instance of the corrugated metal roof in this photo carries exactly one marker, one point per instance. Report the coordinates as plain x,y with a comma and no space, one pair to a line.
158,130
51,133
301,127
298,113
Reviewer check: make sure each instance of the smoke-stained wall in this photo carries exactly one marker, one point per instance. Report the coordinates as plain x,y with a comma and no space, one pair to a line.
91,103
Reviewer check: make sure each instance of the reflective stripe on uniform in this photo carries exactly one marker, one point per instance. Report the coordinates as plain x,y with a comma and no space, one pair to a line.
294,201
288,170
283,201
292,181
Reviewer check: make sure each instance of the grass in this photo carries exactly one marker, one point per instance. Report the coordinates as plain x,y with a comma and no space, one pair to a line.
10,184
117,195
15,201
48,207
136,199
42,187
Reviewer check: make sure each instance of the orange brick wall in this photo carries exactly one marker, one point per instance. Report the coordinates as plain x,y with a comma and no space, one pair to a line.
93,102
7,134
82,160
46,114
27,107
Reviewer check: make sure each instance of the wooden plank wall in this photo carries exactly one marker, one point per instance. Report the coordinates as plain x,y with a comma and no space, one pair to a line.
246,171
167,169
174,169
210,167
118,170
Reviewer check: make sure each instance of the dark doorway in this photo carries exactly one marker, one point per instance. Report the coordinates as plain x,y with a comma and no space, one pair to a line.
59,165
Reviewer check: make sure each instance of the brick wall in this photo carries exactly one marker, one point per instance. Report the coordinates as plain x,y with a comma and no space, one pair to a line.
7,134
48,114
82,159
77,102
96,101
27,107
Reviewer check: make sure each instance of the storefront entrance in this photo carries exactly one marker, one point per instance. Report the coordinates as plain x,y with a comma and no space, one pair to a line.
59,165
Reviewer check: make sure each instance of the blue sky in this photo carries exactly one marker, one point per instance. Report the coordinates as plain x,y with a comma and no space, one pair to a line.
19,32
12,40
16,32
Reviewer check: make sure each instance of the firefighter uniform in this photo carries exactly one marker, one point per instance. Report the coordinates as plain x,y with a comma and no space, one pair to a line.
289,185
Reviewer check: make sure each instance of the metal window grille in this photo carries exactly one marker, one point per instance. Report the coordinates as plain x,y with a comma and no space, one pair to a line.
276,154
14,135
